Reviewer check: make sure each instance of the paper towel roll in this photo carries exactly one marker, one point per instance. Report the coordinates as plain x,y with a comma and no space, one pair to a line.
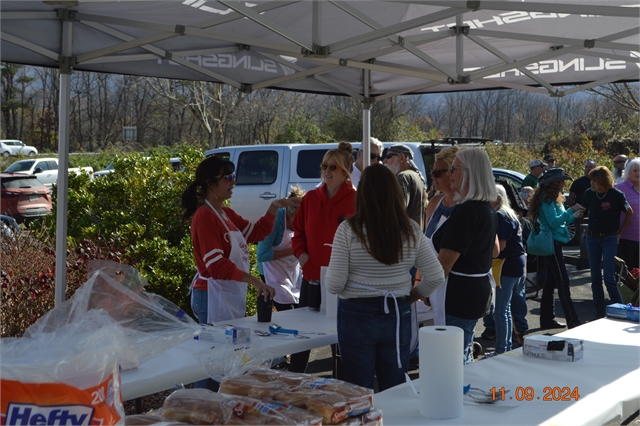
441,371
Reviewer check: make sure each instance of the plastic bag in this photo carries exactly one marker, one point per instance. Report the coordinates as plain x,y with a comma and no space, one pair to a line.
66,377
66,367
151,324
233,360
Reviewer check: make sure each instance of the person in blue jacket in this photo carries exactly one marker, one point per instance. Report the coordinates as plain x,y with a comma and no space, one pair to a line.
546,207
276,263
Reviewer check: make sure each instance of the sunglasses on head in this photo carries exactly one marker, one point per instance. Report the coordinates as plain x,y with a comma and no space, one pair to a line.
332,167
436,173
374,157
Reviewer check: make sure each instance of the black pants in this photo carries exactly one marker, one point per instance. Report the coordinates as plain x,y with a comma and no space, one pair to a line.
557,277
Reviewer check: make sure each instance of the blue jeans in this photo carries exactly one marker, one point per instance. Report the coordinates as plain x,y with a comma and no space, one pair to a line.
502,313
603,249
367,341
519,309
199,305
468,327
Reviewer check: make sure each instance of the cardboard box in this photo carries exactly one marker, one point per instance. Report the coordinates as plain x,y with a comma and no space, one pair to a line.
238,335
625,312
551,347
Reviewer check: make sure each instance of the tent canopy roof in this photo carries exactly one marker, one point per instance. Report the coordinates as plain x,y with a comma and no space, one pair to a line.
324,46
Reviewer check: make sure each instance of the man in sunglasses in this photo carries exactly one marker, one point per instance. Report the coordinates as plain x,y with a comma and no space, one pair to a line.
399,160
376,149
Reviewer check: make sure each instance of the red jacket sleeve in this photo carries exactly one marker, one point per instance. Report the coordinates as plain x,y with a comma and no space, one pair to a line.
299,240
252,232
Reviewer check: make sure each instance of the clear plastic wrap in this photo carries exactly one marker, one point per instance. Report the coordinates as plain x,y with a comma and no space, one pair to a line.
203,407
65,370
151,324
233,360
70,376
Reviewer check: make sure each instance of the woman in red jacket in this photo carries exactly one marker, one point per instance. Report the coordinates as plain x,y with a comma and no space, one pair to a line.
319,214
220,237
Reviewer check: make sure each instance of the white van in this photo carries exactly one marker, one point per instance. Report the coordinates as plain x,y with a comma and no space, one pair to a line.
267,172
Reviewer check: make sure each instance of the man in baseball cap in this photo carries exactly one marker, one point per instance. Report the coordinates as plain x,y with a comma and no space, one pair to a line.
399,160
549,160
536,168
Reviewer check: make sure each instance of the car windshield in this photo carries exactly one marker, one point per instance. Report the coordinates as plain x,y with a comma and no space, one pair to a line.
20,166
25,182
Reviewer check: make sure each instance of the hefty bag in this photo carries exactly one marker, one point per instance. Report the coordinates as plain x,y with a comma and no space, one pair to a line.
65,369
68,378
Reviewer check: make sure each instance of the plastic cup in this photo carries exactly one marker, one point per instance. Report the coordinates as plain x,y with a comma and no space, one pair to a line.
265,309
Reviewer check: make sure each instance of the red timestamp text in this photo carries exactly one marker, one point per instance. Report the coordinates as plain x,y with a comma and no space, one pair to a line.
528,393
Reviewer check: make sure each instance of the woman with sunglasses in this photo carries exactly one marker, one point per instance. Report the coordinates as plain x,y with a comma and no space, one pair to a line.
466,243
321,211
438,210
220,237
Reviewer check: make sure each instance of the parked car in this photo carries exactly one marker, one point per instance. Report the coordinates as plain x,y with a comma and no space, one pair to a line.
174,161
15,147
9,228
44,169
513,177
23,197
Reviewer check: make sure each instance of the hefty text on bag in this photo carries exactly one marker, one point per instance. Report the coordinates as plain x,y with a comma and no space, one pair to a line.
58,404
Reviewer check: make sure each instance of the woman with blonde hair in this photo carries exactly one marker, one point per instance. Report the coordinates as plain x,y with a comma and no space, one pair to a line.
605,205
321,211
441,205
546,207
369,270
277,265
512,270
466,243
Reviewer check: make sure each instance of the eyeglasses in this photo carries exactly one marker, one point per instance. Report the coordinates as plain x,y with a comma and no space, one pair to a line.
229,177
619,161
454,168
332,167
391,155
436,173
374,157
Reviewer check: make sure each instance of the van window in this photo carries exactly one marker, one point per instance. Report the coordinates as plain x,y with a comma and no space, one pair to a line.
223,155
257,168
309,163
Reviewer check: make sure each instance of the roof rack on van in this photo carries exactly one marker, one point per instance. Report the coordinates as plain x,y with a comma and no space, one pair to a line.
458,141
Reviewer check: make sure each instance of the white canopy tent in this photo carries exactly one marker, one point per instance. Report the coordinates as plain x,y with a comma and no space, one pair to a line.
369,50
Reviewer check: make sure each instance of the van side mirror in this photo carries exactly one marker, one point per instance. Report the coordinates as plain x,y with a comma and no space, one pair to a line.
37,170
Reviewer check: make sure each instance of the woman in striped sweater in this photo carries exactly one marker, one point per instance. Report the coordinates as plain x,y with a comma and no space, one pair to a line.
372,254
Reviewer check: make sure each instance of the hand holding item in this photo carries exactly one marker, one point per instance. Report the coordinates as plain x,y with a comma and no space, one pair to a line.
577,207
263,289
283,202
578,214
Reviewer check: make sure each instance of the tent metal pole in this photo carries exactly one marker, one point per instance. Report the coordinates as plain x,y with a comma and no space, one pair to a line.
366,121
459,47
63,162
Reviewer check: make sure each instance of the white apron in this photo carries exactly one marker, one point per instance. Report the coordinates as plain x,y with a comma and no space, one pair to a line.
386,293
285,274
227,299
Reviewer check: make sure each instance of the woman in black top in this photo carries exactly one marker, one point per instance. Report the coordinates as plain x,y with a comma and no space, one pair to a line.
466,243
604,203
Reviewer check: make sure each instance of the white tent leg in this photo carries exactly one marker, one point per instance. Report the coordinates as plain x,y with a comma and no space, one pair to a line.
366,121
63,165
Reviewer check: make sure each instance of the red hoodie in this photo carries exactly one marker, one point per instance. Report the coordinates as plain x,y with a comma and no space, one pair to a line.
316,223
